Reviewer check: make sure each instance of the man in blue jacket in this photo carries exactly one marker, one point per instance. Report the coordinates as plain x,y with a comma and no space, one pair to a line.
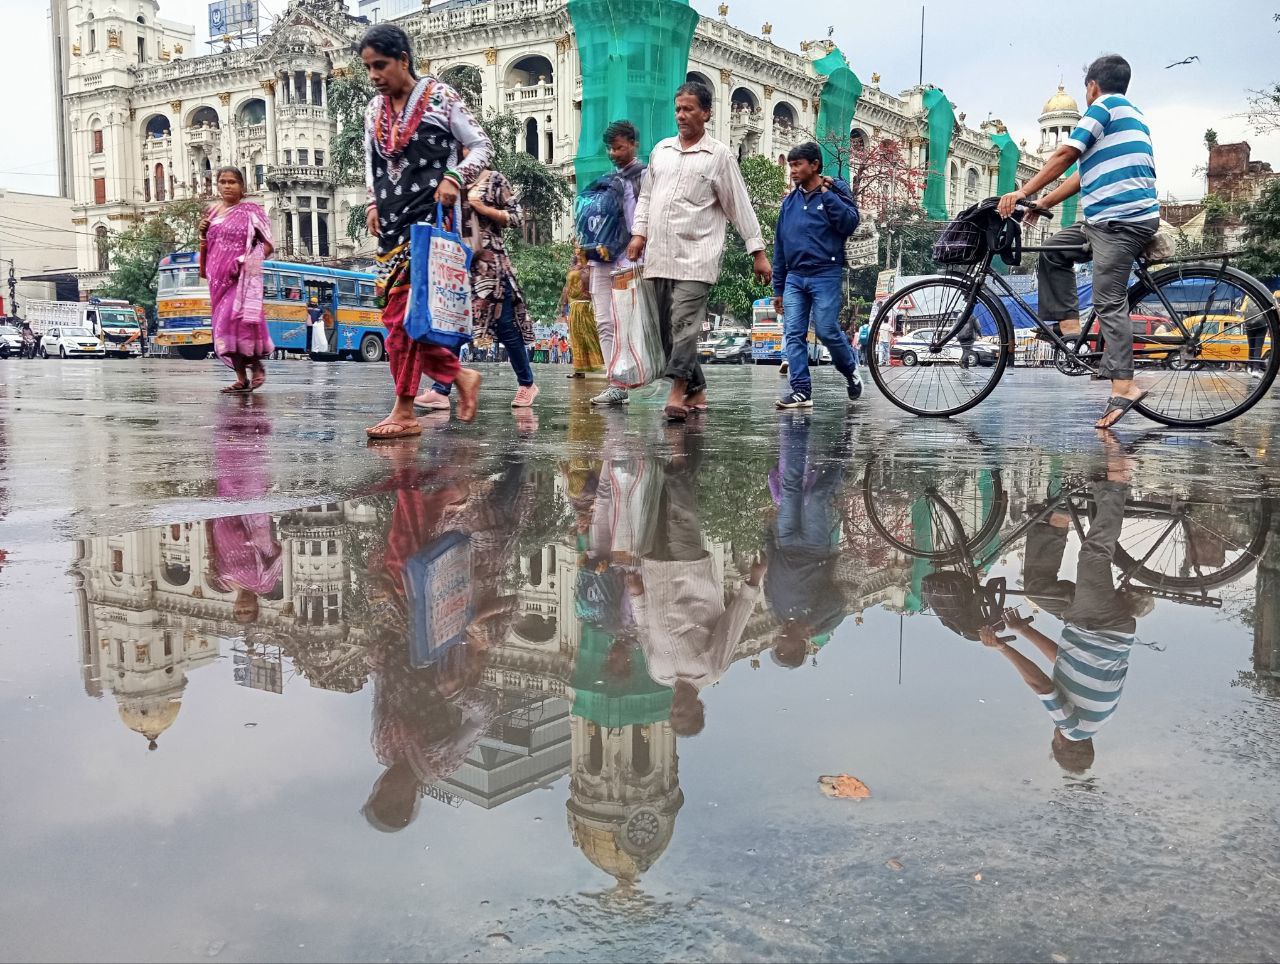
808,272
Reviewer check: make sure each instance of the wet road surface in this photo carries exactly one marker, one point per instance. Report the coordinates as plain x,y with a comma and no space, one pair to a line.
560,686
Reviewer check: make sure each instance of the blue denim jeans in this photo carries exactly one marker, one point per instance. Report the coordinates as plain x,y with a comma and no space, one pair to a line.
508,333
815,299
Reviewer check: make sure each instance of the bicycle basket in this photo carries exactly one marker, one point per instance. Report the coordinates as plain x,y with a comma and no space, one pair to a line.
961,242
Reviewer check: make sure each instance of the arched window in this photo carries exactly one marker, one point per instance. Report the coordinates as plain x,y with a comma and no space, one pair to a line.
530,71
744,100
531,137
641,758
96,135
100,243
252,112
595,749
784,115
158,126
858,140
466,80
694,77
971,181
202,116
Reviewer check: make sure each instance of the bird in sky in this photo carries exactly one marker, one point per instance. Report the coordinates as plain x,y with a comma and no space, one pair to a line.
830,32
1181,63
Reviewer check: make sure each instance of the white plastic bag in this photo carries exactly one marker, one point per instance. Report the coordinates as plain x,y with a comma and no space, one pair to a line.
638,357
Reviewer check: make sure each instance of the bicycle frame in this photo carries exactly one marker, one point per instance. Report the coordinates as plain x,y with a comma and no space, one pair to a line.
1161,345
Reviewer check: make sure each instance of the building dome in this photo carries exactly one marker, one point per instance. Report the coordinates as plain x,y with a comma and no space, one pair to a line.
149,715
1061,103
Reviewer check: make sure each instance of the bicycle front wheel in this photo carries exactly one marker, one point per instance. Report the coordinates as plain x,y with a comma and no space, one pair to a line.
1227,360
919,365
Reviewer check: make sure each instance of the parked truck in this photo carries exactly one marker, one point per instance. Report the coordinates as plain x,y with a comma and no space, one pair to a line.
113,321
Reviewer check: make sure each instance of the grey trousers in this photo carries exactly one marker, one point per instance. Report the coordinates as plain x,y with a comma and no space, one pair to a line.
1115,245
682,308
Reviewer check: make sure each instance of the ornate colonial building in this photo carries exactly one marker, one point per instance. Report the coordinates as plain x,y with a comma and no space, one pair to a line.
147,117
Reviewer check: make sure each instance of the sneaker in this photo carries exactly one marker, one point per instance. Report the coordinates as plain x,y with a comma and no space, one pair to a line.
525,395
432,401
1255,373
613,395
795,400
855,387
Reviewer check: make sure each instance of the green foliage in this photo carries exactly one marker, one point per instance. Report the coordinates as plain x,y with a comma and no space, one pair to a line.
542,269
544,194
737,287
1262,235
349,95
1210,137
136,252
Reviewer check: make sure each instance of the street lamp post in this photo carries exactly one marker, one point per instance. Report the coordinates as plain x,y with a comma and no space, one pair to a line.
13,289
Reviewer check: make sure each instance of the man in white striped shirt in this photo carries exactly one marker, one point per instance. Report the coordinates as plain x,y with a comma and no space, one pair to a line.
691,189
1117,184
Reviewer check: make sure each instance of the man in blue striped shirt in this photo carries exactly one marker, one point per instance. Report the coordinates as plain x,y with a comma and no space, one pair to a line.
1117,184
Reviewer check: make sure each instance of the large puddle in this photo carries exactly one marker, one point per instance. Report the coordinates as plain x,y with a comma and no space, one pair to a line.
575,703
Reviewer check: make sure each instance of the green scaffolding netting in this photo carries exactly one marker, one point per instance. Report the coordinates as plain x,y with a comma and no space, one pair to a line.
942,121
633,55
613,703
835,111
1007,179
1071,206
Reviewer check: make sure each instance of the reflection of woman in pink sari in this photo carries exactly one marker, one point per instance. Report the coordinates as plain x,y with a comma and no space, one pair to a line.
244,554
235,238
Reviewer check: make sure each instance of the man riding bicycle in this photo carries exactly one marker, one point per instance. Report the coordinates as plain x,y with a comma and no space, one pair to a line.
1117,182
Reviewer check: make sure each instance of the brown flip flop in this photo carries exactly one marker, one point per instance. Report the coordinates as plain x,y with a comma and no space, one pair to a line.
676,413
406,430
239,388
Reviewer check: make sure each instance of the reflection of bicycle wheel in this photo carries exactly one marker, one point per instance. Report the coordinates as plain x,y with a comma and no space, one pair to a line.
1169,543
905,507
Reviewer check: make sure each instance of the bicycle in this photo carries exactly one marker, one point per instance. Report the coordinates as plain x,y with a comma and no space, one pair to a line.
1214,360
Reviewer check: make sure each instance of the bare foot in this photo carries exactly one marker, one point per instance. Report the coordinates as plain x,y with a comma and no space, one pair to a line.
392,427
468,385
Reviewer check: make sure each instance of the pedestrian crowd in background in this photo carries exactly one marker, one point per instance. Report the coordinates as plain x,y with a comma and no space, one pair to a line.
664,223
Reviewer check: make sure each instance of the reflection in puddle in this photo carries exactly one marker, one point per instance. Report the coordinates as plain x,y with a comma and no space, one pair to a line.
514,621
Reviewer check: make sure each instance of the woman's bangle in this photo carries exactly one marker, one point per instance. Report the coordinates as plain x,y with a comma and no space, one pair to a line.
451,173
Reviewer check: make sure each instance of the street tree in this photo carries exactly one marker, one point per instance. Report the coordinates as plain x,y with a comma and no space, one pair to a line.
737,287
135,253
542,270
1262,235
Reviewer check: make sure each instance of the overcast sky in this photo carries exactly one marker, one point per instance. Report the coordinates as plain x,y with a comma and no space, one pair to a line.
995,57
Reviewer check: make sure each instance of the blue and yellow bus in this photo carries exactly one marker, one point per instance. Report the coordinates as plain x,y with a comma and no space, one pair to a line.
347,297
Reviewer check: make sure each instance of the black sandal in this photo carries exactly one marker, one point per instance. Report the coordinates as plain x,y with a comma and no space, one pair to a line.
1118,403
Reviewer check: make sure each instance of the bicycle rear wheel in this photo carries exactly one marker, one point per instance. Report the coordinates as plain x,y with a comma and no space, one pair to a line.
1233,324
924,377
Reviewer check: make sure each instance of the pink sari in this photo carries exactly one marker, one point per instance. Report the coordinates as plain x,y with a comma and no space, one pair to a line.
243,550
233,264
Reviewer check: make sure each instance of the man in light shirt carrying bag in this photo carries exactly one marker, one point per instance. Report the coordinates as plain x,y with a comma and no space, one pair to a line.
691,189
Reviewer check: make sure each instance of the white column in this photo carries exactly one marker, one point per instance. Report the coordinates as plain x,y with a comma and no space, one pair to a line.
271,124
297,237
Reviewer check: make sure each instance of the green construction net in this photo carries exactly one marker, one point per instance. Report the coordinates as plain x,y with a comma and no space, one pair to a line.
1007,180
613,703
633,55
1071,206
835,110
942,121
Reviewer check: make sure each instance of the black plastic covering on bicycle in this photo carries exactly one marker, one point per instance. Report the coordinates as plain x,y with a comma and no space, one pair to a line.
977,232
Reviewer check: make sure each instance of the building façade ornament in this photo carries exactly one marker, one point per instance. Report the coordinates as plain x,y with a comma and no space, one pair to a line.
113,39
767,29
726,75
768,92
176,106
75,50
563,44
804,103
268,85
724,11
491,56
875,80
177,48
424,64
224,98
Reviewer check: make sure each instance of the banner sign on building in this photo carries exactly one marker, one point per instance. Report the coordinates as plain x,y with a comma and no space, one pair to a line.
232,16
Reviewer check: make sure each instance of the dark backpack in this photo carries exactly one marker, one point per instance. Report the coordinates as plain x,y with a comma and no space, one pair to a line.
600,219
953,599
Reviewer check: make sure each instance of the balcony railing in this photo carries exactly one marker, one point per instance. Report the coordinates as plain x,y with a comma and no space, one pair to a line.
205,137
294,173
748,121
296,112
251,132
158,148
536,92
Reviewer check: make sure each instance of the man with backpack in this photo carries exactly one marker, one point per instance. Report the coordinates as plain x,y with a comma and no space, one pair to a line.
603,218
808,272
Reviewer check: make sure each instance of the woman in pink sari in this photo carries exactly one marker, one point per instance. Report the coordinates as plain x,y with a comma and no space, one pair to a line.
235,238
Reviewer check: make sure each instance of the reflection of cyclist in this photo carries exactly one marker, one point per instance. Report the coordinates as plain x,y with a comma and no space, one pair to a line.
1092,660
1117,182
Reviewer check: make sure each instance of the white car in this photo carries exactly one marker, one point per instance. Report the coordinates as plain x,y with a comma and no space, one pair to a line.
11,340
71,343
913,349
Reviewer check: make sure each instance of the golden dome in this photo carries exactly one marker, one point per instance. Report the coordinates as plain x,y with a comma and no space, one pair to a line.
149,716
1061,103
601,848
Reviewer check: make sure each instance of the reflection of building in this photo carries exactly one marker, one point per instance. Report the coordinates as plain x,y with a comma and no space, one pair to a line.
150,610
